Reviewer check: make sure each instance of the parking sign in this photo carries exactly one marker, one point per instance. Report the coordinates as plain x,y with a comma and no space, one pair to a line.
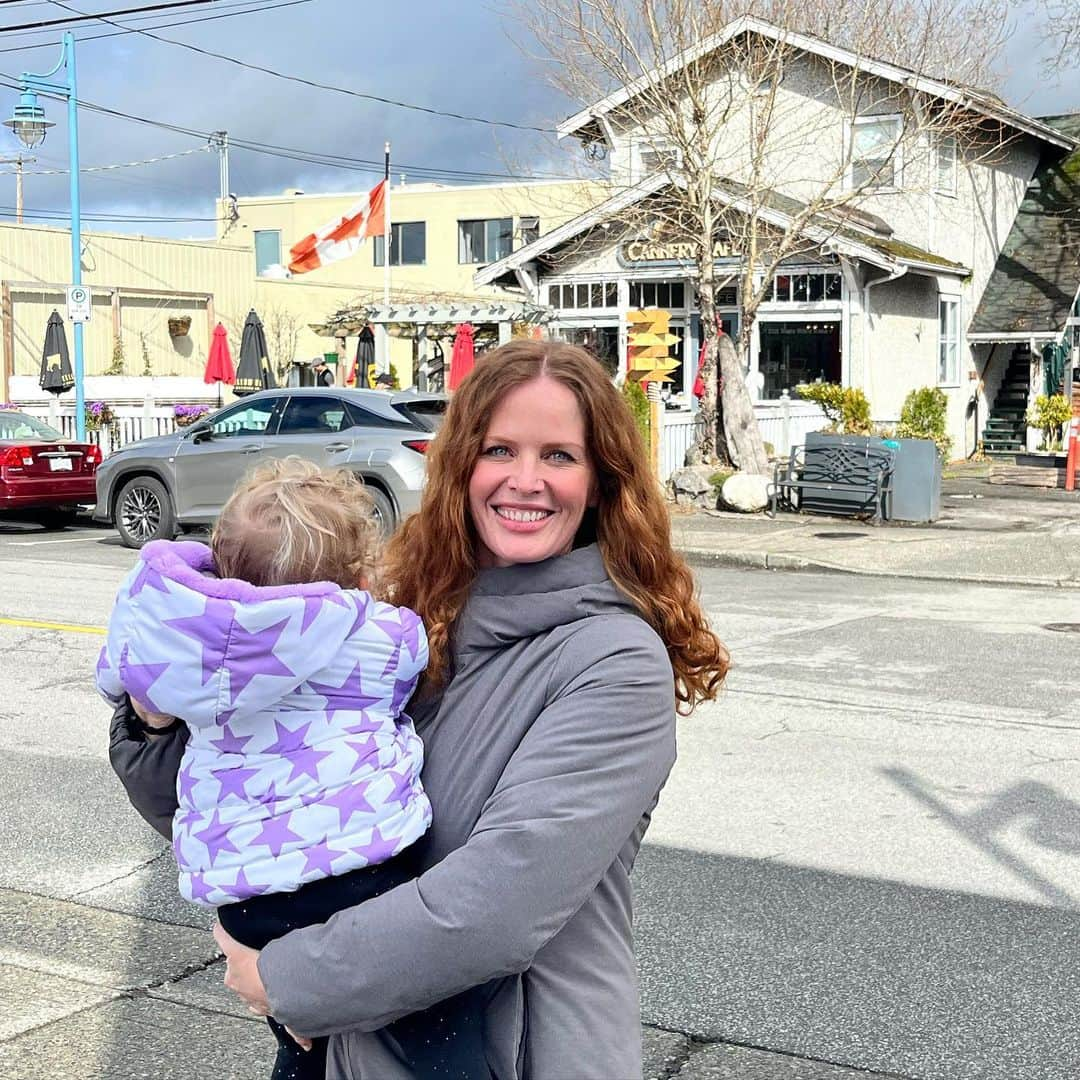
78,303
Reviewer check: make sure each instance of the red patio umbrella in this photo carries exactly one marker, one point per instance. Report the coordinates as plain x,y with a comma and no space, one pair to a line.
219,365
463,356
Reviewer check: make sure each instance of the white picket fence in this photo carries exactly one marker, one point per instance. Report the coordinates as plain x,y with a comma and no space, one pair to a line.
784,424
130,423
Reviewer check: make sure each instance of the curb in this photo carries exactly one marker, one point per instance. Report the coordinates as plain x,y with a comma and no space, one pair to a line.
762,560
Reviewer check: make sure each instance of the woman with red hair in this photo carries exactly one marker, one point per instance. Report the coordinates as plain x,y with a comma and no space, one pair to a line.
564,634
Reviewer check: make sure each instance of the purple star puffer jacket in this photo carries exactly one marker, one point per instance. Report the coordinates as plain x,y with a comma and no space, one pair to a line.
301,764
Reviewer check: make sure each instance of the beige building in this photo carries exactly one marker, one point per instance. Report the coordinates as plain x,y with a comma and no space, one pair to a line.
441,236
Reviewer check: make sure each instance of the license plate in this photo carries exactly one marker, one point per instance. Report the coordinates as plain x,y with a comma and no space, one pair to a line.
60,464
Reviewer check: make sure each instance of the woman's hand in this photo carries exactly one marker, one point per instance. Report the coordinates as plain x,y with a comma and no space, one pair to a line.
243,979
151,719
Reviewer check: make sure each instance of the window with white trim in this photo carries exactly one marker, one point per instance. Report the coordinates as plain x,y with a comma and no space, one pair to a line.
408,244
945,164
267,250
582,295
948,340
658,156
485,241
667,295
875,152
806,288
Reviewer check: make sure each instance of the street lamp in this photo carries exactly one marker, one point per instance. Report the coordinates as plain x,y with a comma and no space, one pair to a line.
29,124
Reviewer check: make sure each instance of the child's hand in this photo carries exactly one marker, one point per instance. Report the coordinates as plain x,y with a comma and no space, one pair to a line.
304,1044
151,719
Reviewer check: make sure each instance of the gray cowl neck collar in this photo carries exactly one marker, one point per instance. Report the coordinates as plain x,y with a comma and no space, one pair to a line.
512,603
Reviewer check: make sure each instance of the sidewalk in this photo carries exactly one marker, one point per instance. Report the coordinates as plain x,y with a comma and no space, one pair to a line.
987,534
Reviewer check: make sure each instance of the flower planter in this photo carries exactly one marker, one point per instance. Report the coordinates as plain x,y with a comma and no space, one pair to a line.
179,327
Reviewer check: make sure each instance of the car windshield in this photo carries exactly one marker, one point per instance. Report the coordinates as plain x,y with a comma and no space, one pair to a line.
17,425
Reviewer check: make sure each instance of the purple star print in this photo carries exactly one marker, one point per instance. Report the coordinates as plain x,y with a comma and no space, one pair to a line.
103,662
185,784
288,740
378,849
410,631
393,661
321,857
208,631
199,889
230,743
403,689
276,834
402,791
138,678
242,888
364,751
251,654
347,801
312,606
215,837
349,695
148,576
305,762
232,782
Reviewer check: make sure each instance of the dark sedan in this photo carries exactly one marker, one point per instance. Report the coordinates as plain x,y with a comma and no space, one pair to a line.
43,476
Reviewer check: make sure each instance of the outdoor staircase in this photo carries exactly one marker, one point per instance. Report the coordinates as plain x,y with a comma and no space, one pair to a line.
1006,429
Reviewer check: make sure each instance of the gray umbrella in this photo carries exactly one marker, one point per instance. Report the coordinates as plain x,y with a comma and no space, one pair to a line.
56,375
253,370
365,358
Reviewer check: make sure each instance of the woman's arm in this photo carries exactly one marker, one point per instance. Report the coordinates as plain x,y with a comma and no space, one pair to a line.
147,766
573,792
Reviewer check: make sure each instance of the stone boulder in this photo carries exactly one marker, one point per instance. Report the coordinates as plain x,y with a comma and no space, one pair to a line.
690,486
746,492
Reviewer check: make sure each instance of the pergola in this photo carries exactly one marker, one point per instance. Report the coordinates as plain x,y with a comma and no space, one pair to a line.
428,321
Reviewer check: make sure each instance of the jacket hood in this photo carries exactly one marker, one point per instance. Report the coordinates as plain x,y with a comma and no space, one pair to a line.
513,603
236,649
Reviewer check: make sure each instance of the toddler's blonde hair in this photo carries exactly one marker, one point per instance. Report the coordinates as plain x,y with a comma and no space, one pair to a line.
290,522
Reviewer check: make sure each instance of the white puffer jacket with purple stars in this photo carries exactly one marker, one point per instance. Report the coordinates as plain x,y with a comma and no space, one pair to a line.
301,764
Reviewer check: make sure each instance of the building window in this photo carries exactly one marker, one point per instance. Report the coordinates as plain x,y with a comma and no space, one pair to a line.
528,230
945,164
668,295
805,288
948,341
408,244
597,294
267,250
875,152
485,241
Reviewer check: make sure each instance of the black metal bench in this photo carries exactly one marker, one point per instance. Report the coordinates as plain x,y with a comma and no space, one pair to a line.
833,479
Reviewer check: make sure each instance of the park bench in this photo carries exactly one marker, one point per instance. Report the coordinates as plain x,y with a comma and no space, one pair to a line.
833,479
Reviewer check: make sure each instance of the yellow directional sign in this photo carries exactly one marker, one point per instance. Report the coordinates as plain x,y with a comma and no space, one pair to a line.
648,346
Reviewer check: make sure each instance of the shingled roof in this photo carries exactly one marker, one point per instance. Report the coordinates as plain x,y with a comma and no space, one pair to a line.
1035,281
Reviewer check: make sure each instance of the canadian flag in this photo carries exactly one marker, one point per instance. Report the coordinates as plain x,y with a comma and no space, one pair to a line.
341,238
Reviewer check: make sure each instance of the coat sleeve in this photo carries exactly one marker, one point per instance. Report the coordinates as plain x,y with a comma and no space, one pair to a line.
575,789
147,767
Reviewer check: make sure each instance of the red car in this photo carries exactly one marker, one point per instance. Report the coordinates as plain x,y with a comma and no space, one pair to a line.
43,476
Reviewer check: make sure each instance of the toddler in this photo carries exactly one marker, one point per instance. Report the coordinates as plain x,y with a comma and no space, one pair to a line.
299,791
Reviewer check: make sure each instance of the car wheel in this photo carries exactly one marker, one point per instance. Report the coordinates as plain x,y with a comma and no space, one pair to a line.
144,512
55,519
384,512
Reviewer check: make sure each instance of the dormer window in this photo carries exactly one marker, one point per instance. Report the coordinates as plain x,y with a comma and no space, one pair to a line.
875,152
658,156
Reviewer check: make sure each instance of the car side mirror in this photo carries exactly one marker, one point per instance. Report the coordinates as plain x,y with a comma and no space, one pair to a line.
200,431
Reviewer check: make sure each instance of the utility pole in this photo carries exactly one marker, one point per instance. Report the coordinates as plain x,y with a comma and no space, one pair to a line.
19,161
220,141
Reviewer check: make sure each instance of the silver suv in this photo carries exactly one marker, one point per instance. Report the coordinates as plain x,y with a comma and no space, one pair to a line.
154,487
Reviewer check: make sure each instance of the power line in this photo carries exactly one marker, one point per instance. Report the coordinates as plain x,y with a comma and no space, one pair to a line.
100,215
118,165
84,38
311,82
83,16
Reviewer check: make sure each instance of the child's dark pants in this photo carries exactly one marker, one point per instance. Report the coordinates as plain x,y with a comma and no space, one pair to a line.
444,1042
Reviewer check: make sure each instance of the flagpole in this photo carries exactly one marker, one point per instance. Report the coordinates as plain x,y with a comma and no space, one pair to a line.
386,256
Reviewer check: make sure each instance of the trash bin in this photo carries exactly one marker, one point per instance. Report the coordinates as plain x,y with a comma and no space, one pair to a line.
916,477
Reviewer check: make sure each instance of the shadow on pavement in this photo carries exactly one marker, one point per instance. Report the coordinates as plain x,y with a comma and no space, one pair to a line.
872,974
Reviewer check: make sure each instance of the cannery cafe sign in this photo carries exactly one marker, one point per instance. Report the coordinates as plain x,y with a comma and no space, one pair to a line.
646,251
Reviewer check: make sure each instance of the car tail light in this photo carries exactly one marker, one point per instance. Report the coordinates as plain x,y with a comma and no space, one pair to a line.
14,457
93,457
419,445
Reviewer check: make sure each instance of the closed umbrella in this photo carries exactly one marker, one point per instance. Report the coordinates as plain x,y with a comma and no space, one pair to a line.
253,371
56,374
361,373
463,355
219,365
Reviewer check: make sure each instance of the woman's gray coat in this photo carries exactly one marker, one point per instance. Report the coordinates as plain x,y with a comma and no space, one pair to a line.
544,758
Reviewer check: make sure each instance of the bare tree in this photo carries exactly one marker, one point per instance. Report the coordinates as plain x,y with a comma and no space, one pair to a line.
746,127
283,336
1060,33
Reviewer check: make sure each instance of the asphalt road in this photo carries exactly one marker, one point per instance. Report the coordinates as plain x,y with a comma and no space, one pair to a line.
868,853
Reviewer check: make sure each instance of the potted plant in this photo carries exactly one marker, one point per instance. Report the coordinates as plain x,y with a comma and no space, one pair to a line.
1049,413
97,415
186,415
179,325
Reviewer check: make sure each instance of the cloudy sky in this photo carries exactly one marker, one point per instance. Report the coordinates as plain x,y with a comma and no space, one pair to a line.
452,55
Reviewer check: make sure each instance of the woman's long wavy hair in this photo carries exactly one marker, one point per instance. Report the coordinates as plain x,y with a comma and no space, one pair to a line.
432,559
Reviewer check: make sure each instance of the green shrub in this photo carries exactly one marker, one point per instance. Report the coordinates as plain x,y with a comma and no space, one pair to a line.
923,417
846,407
717,481
1048,414
635,398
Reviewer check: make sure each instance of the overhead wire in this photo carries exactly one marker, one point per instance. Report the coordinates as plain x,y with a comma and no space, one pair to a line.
378,98
83,16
